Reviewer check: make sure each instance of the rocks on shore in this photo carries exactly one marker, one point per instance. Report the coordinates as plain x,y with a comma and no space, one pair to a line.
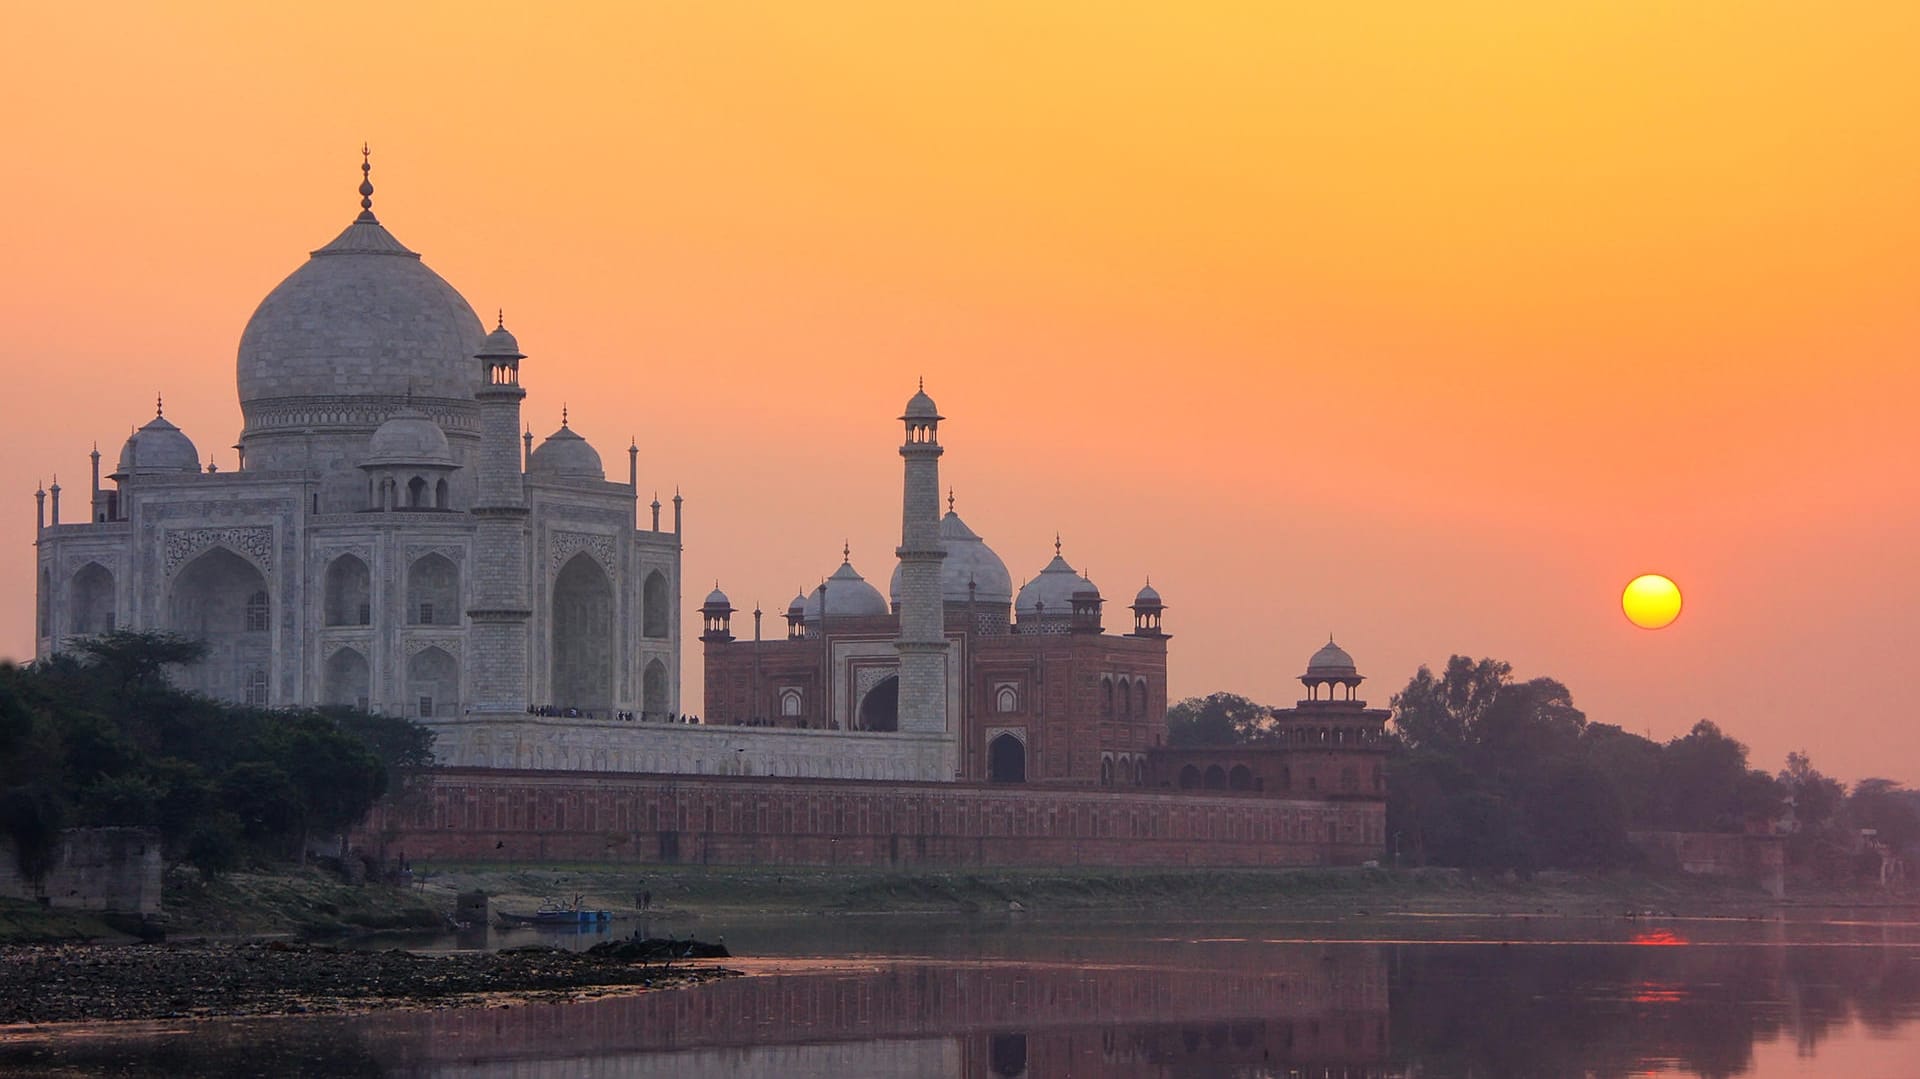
66,983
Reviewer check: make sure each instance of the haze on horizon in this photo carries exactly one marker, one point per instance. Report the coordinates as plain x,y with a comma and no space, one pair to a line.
1429,327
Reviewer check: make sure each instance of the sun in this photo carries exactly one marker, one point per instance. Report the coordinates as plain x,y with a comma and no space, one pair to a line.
1651,601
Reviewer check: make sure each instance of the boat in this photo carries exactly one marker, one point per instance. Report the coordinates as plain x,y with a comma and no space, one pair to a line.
554,912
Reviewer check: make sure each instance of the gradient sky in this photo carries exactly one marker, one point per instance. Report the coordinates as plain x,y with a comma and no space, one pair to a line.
1429,325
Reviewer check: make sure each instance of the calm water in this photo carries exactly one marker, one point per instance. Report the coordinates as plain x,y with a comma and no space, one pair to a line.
1030,995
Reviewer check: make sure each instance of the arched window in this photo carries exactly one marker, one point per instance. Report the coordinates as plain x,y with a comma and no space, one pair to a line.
1126,699
1007,700
1140,771
1106,696
654,689
46,603
1006,760
790,703
1189,777
417,493
433,684
90,600
440,496
1215,778
257,612
880,708
433,592
346,679
1106,771
1140,698
582,641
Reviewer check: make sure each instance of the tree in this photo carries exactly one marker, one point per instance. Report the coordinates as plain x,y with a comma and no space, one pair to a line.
136,660
1444,713
1706,785
1218,719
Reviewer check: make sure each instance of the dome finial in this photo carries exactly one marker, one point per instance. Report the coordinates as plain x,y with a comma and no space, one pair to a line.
563,415
846,552
159,405
949,500
1056,544
500,322
366,183
923,383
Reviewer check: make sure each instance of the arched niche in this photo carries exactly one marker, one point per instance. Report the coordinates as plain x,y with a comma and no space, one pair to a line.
433,591
656,618
348,592
1214,778
433,684
654,689
222,599
346,680
880,708
1006,760
582,628
90,600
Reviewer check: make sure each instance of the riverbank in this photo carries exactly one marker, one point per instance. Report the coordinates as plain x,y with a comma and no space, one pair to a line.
66,983
692,892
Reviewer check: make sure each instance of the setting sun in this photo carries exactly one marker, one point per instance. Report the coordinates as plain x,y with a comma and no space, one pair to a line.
1651,601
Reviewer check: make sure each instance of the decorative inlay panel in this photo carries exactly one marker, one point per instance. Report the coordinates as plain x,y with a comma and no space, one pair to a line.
564,545
183,545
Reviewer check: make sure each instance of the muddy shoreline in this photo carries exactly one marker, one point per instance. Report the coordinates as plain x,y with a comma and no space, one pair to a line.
68,983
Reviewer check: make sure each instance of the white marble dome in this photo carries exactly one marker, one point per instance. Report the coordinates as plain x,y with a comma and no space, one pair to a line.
158,447
1331,661
848,596
566,454
362,317
1055,587
717,599
409,438
1147,597
969,559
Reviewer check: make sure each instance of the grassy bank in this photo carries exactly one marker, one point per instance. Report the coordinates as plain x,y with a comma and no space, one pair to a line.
690,891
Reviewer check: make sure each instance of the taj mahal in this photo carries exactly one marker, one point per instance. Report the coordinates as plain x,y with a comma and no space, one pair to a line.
393,539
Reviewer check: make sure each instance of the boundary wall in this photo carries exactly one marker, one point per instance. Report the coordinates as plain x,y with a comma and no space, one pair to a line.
472,814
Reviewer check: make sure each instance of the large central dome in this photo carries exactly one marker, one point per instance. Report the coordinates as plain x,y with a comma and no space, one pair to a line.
364,317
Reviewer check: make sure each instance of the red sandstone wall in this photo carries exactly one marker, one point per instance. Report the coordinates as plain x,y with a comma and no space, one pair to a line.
504,815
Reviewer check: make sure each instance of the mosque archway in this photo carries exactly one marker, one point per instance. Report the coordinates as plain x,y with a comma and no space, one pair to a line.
1240,779
1214,778
91,600
1006,760
880,708
655,620
1189,777
347,680
582,654
433,591
433,684
222,599
349,592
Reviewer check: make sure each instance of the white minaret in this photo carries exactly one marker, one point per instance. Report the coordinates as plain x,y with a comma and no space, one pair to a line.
500,613
923,639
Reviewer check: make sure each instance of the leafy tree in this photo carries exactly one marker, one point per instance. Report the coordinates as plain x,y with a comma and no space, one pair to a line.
1707,786
132,661
1882,805
1444,713
1218,719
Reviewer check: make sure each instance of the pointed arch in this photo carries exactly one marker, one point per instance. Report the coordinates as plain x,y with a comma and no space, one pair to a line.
655,608
90,600
433,591
347,680
433,684
582,636
348,592
880,708
222,598
654,698
1006,759
1140,698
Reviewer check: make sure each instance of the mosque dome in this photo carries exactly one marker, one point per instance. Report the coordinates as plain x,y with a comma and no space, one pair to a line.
921,407
362,317
409,438
799,604
500,344
1055,587
969,560
1331,661
566,454
158,447
1147,597
848,596
717,598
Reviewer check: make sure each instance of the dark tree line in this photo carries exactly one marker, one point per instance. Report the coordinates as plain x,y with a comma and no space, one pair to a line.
98,736
1491,773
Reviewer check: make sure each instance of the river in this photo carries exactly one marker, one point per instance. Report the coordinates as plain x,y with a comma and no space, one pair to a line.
1030,994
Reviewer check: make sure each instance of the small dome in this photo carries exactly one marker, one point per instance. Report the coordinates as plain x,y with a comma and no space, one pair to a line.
921,407
1054,588
156,448
848,596
409,438
717,598
566,454
1087,588
969,561
799,603
1147,597
500,345
1331,661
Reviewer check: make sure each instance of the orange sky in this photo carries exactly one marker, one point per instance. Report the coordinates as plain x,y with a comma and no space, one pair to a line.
1429,325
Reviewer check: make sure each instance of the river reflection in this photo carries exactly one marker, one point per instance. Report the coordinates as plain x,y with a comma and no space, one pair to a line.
1031,996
